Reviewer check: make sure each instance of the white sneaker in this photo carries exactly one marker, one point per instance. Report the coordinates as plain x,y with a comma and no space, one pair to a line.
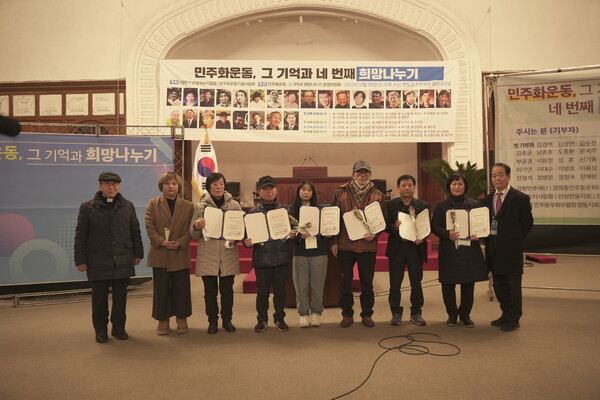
314,319
303,321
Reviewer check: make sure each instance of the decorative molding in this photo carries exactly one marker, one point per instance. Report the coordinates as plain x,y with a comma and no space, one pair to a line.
424,17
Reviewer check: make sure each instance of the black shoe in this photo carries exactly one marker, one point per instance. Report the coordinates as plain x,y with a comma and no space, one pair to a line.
452,320
508,326
228,326
499,322
261,326
281,325
101,337
468,322
212,328
120,334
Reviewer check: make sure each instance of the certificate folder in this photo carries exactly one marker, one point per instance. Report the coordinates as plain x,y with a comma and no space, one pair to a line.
224,224
472,222
414,229
272,225
362,221
324,221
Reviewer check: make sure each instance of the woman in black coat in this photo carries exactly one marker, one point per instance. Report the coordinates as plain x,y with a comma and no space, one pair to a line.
458,264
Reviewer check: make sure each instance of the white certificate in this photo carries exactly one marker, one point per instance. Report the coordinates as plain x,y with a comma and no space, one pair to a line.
233,224
356,225
310,215
279,223
214,222
480,222
330,221
375,217
256,227
420,228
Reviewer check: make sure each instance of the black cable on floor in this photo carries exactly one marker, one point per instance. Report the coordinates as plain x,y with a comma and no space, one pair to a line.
411,347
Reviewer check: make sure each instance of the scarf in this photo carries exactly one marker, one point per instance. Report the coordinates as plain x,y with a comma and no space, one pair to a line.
359,193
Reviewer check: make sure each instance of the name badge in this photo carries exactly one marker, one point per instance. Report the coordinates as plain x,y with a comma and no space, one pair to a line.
494,227
311,242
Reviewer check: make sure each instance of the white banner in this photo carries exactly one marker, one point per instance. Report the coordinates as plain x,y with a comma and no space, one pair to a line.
310,101
549,133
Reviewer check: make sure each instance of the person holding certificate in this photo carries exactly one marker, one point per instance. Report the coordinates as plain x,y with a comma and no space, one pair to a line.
309,264
354,195
167,221
404,251
270,260
460,259
512,220
218,260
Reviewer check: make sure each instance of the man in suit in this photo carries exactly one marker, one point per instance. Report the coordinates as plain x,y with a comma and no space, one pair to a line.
190,121
403,253
512,220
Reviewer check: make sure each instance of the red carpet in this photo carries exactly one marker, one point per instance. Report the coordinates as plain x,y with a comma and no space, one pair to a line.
381,264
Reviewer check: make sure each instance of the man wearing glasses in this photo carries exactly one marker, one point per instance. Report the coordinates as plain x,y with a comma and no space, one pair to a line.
108,245
356,194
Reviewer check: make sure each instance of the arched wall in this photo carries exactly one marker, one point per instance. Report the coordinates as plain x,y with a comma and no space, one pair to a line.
423,17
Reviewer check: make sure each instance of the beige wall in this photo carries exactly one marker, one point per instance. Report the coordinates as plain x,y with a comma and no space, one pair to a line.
92,39
79,40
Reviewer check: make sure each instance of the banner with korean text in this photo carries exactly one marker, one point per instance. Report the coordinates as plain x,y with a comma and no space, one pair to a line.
549,133
46,177
310,101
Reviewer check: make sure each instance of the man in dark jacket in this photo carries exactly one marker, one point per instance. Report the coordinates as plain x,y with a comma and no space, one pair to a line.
108,244
403,253
512,220
270,261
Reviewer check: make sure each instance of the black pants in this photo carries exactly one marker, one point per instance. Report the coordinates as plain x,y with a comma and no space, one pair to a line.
467,291
508,292
408,256
171,294
266,278
100,303
212,286
366,272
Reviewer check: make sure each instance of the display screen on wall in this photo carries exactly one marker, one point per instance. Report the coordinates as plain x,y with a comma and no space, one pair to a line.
310,101
46,178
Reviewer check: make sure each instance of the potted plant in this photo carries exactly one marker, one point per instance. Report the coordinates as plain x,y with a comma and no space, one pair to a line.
440,170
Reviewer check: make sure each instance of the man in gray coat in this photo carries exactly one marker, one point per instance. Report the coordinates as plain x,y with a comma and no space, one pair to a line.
108,244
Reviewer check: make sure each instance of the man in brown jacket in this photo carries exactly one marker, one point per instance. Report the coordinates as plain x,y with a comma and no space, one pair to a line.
356,194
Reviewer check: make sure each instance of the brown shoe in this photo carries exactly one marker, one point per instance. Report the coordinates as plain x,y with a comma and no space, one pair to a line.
368,321
346,322
182,326
163,327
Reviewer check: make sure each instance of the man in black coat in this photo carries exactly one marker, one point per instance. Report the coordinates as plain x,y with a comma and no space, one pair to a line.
108,245
402,252
512,220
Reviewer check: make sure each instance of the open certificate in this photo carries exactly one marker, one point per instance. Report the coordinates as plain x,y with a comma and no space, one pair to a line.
417,229
224,224
274,225
279,223
360,222
324,221
468,223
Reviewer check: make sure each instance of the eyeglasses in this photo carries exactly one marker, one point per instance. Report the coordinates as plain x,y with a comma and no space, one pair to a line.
110,184
362,172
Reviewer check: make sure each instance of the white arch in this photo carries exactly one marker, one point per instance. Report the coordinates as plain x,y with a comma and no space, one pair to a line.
424,17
